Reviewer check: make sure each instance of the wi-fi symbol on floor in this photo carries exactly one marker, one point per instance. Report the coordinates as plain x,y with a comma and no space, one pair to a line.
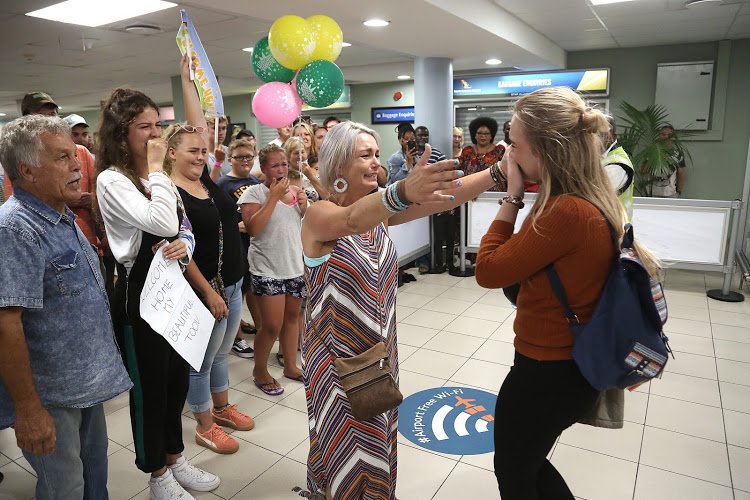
461,422
453,420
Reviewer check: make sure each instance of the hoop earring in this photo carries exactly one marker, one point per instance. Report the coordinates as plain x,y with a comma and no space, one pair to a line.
340,185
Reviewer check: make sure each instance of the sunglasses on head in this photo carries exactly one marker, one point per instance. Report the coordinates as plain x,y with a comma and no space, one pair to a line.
190,129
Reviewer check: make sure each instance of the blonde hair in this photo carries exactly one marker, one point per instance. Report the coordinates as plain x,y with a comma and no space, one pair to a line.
312,150
241,143
459,131
211,119
174,135
563,131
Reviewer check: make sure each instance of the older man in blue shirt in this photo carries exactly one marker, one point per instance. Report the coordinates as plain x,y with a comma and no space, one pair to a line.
58,358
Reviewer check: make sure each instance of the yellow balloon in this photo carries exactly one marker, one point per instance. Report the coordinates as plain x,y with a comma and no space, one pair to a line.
291,41
328,37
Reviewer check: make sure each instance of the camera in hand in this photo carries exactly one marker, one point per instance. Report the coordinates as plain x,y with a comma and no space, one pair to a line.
411,145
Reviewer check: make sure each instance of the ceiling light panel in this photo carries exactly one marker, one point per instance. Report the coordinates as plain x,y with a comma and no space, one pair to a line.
605,2
99,12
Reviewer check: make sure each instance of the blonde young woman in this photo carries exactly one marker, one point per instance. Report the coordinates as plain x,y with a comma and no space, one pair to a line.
305,132
216,274
350,269
554,139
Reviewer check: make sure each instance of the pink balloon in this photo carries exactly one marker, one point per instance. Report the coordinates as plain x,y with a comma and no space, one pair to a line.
276,104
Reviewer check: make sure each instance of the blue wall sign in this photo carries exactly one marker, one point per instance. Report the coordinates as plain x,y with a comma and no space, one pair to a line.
590,82
396,114
453,420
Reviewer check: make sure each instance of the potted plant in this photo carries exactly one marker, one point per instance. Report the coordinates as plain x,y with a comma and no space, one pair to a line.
652,156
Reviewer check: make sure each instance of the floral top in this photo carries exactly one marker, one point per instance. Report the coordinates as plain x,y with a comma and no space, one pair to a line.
471,162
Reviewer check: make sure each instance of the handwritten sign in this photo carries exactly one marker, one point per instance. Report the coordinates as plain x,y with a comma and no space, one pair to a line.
174,311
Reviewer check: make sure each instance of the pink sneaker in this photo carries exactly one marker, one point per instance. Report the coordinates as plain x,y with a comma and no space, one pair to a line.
217,440
231,417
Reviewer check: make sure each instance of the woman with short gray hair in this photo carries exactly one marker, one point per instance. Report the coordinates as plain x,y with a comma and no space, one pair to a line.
350,272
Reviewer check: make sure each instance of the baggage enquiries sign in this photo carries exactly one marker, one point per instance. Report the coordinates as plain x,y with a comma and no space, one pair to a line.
590,82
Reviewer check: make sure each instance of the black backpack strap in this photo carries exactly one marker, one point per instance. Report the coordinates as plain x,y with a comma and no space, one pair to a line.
629,172
557,287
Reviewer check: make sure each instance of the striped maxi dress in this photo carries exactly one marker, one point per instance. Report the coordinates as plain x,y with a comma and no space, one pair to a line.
354,459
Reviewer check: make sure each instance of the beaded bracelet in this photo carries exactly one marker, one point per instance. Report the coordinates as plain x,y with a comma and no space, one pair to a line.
496,174
513,200
390,199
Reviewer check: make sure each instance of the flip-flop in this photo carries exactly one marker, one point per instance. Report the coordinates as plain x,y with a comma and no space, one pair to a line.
301,378
248,329
277,391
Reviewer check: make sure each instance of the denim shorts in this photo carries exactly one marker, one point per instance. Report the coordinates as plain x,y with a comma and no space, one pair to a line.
265,286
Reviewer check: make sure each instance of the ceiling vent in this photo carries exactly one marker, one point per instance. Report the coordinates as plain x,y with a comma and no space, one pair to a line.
142,29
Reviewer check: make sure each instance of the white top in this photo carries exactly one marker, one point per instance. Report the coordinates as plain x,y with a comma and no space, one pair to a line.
127,213
226,167
277,251
617,176
502,143
276,141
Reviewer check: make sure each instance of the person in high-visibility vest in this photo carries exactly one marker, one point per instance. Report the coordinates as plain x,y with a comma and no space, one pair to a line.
619,168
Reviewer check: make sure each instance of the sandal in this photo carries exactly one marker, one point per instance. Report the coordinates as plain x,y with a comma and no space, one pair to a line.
300,378
248,328
268,388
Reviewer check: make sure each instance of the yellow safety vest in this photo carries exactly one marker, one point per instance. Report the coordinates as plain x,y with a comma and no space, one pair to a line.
618,156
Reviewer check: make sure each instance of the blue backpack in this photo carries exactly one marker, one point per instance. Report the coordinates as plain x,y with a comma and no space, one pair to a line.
623,344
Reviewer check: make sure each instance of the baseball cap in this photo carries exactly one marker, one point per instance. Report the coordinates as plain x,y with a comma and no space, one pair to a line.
245,133
35,100
74,120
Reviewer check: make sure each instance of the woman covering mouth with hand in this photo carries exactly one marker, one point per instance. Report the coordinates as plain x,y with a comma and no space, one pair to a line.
272,213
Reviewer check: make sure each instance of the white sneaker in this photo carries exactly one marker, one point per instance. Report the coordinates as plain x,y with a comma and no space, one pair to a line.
166,487
192,477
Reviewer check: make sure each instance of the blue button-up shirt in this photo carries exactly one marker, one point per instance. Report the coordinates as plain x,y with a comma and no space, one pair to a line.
48,268
397,164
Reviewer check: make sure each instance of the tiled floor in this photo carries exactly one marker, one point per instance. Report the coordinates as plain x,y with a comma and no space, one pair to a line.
687,436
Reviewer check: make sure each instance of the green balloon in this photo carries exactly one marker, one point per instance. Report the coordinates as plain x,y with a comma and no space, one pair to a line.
266,67
320,83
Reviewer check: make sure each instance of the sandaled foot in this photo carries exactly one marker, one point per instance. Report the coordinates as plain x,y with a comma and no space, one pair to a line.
298,378
272,388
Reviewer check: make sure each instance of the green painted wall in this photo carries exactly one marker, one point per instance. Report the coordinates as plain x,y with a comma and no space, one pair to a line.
376,95
718,167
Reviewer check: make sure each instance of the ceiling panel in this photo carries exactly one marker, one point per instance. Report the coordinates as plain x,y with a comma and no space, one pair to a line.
40,54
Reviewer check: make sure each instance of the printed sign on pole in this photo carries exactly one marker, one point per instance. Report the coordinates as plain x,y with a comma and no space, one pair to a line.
205,79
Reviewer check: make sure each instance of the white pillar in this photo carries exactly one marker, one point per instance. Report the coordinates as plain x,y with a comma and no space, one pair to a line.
433,100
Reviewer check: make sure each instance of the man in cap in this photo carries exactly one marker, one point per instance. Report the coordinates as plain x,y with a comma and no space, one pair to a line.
38,103
79,130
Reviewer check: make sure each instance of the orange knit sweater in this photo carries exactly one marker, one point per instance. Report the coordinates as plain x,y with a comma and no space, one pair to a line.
574,235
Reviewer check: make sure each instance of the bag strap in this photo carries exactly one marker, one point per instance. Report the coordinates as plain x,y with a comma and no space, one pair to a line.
219,279
559,290
379,295
556,283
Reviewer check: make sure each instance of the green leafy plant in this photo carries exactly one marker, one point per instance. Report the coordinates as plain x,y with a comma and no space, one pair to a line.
651,155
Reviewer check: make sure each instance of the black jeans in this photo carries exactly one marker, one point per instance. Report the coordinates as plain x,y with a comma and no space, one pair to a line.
537,401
